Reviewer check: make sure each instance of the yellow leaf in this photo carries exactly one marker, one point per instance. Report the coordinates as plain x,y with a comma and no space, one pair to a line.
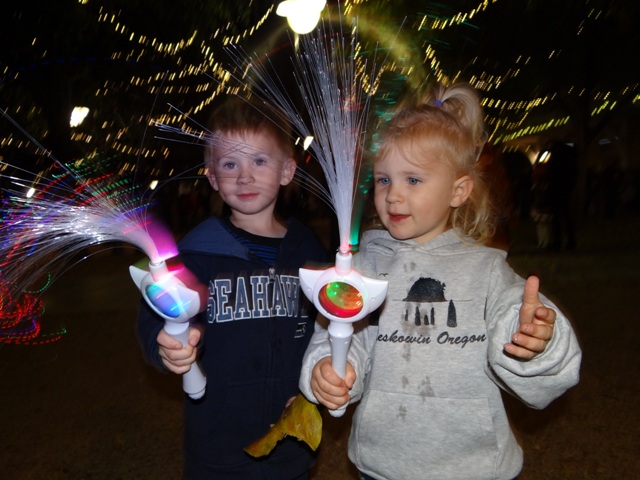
301,419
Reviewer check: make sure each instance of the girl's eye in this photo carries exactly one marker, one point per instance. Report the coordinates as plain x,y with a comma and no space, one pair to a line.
413,181
260,161
383,181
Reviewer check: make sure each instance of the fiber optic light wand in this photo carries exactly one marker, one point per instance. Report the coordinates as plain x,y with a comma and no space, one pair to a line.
343,296
170,298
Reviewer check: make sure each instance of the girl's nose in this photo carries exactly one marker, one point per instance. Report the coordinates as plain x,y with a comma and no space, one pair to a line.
394,194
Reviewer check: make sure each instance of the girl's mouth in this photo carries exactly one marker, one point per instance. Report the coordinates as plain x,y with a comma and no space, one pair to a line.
394,217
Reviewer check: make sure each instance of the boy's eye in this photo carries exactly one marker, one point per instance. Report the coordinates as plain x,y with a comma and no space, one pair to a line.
383,181
228,165
260,161
413,181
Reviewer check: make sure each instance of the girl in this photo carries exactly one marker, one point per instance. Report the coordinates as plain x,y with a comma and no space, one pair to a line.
457,325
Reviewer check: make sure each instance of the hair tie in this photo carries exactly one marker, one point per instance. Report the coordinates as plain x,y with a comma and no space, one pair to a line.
437,103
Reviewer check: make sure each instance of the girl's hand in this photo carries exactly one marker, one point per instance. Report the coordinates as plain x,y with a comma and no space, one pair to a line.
329,389
536,324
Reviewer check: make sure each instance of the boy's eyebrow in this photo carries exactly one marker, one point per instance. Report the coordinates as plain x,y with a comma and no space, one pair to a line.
238,148
253,153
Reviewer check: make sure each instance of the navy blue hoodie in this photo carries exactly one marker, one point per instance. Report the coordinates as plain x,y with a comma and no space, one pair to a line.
256,329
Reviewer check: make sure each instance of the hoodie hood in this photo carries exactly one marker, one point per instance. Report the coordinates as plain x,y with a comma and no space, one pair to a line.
208,237
383,243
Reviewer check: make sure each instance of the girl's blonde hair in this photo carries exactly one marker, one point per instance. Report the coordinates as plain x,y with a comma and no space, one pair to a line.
447,122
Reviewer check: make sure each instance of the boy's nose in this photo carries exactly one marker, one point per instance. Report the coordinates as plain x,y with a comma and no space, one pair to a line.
245,177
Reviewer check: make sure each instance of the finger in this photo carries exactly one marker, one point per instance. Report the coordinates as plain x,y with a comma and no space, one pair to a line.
186,353
330,393
330,375
179,369
194,336
167,341
528,342
329,404
178,360
349,377
531,291
332,389
176,365
519,352
545,315
329,400
541,331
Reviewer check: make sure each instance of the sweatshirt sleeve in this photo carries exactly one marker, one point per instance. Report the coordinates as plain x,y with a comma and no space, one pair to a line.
148,325
320,347
537,382
317,349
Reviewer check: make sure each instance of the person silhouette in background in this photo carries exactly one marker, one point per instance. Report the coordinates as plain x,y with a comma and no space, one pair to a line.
562,177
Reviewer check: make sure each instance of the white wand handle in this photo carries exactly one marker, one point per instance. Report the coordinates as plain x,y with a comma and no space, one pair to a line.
340,337
340,334
194,382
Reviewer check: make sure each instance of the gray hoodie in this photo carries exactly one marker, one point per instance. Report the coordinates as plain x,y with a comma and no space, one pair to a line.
429,372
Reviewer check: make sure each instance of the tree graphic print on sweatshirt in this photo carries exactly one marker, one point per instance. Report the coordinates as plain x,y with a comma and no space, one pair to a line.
428,291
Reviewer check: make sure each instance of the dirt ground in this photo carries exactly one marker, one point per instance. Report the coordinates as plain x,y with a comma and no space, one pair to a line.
88,407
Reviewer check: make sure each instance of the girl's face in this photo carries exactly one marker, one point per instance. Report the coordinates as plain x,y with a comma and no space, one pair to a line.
414,200
248,172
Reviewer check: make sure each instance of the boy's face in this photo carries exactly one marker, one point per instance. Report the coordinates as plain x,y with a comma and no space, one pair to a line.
414,200
248,170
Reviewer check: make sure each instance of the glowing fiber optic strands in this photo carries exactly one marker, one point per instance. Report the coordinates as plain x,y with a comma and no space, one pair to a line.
66,214
20,313
40,234
337,99
330,77
48,221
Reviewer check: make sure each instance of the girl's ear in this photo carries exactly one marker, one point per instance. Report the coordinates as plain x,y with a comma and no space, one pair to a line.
288,171
212,179
462,188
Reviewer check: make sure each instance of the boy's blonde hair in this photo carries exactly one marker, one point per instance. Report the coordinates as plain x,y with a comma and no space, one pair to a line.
446,123
238,115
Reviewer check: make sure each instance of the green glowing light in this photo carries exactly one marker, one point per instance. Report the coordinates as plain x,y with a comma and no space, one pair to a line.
341,299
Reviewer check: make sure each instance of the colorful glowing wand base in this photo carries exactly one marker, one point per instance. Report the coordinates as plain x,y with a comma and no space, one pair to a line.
170,298
343,296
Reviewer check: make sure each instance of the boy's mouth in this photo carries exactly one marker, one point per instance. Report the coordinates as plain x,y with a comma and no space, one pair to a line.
247,196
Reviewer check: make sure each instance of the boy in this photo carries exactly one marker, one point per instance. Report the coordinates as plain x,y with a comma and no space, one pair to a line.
256,328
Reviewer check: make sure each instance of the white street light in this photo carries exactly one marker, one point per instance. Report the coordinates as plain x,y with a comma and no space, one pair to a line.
302,15
78,115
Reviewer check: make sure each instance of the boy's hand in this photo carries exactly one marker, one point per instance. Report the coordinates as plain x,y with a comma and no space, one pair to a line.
331,390
176,357
536,324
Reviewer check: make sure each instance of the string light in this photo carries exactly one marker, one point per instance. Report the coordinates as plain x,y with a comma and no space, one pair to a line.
187,58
